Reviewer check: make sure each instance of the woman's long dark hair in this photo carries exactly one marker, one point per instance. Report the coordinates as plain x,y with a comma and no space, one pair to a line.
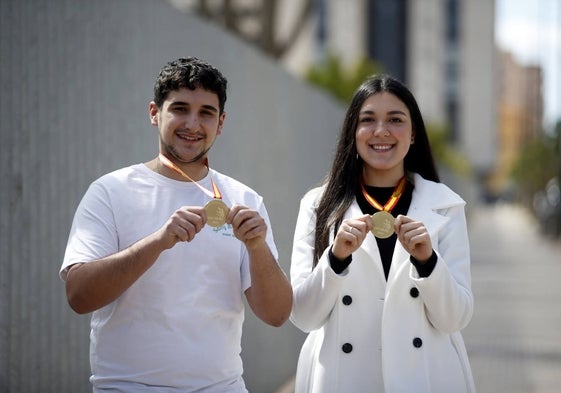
344,176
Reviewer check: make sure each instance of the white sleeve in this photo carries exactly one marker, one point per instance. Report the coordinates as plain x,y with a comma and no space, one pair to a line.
447,293
315,291
93,234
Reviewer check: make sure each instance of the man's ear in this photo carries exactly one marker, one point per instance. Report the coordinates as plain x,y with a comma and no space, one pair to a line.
154,111
221,119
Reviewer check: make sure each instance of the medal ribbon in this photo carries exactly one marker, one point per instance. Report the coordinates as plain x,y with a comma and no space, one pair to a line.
216,192
397,192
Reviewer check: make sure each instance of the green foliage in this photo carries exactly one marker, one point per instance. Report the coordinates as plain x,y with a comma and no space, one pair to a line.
538,162
340,81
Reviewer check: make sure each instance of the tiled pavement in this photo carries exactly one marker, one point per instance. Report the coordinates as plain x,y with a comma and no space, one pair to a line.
514,339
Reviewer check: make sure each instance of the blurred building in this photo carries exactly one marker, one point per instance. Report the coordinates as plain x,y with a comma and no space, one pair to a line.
520,114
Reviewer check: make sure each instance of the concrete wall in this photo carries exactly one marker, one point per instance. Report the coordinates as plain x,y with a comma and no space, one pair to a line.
76,78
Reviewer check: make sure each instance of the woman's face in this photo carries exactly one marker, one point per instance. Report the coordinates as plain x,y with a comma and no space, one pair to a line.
383,138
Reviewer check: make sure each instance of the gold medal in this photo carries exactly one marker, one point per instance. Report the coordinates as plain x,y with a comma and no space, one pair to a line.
382,224
216,213
216,210
383,221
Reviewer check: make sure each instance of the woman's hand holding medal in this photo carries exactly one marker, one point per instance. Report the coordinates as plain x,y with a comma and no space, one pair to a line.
350,236
414,237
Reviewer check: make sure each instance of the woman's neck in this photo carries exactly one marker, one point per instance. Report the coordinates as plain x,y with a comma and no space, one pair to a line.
385,178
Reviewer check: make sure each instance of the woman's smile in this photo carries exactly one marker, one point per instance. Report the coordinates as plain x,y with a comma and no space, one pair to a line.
381,147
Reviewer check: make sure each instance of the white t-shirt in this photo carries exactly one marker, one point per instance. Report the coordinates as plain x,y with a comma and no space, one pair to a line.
179,326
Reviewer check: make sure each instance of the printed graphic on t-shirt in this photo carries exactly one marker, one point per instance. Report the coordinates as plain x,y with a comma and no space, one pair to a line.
224,230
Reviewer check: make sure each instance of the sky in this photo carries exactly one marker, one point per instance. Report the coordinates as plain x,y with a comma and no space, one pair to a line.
531,30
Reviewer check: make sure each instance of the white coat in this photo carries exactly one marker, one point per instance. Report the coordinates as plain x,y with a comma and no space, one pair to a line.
399,336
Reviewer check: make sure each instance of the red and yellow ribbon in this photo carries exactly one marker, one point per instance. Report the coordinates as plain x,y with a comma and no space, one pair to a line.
216,191
397,192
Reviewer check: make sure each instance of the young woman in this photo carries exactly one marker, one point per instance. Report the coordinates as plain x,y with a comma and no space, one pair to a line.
380,262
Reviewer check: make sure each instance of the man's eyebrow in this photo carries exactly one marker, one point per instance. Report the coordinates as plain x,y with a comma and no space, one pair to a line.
178,103
211,108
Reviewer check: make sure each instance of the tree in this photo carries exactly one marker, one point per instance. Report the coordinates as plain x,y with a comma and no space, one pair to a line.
339,81
538,162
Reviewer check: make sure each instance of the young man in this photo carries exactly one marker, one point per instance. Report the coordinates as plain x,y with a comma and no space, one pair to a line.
161,252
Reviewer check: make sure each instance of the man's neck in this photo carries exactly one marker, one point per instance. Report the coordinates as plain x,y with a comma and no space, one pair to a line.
195,171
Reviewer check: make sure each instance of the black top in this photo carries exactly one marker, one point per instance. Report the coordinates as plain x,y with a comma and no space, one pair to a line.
386,246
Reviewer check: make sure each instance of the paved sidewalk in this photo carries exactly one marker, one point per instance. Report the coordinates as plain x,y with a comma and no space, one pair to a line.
514,339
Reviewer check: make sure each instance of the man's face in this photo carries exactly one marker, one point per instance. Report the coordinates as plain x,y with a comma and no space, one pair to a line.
188,123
